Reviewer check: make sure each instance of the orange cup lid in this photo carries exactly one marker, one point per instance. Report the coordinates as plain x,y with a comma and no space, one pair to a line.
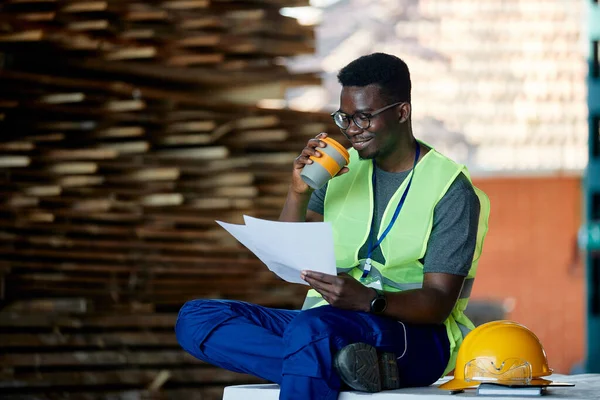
341,149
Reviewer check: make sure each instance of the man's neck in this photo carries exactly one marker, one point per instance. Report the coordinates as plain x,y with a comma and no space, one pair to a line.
400,160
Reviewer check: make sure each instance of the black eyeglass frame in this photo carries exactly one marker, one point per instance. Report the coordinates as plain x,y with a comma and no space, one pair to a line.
368,116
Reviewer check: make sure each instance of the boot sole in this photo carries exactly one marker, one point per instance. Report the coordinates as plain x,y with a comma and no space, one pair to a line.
361,368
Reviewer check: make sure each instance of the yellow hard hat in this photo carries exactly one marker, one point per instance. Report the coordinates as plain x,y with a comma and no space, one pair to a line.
501,352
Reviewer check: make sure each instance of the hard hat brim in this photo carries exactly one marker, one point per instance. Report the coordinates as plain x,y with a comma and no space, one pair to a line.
459,384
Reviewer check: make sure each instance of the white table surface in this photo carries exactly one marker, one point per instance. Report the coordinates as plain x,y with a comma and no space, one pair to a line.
587,386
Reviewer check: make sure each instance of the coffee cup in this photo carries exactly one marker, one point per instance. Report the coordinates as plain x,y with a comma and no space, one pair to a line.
333,158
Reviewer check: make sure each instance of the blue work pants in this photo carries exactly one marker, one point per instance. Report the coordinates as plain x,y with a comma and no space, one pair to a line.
296,348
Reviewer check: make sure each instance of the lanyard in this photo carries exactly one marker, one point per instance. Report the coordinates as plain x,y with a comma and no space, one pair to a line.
373,246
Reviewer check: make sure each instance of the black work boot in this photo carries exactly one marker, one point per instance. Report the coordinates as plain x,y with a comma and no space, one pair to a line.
363,369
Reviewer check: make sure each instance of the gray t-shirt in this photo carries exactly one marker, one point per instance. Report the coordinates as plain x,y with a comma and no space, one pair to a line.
455,219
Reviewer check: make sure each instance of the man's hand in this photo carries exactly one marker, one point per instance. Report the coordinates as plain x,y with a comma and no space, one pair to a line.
312,149
342,291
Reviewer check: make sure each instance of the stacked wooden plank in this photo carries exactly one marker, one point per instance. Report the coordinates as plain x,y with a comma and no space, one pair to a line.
119,355
128,128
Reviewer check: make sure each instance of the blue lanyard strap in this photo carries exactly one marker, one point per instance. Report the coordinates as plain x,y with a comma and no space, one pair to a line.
373,246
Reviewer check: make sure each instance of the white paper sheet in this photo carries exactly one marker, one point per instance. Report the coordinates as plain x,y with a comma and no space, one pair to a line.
287,248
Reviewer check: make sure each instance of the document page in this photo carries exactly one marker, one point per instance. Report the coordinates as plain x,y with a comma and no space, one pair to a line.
287,248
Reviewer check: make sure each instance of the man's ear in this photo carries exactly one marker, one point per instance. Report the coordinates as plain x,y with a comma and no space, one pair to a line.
404,112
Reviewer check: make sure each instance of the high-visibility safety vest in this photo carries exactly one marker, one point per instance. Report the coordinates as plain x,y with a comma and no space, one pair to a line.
349,208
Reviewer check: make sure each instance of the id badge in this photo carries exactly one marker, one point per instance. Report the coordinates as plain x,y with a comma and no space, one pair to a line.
372,282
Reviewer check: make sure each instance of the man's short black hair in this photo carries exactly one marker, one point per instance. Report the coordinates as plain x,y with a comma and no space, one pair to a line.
385,70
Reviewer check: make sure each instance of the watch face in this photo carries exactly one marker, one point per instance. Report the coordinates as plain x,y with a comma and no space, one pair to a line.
378,305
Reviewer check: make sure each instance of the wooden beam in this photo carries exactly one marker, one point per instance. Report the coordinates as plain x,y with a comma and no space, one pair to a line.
157,269
86,340
140,378
88,321
99,358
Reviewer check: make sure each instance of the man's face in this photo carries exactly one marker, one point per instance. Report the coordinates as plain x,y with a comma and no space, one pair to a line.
382,136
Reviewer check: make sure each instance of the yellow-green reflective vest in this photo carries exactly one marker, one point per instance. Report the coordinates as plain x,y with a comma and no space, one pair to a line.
349,208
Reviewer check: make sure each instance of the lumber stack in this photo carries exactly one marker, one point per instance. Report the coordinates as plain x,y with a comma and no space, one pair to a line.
128,128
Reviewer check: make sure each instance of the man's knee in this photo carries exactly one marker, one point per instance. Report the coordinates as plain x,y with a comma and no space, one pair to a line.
184,323
196,319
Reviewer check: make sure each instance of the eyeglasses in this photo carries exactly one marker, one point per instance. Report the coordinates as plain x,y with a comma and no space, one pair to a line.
361,119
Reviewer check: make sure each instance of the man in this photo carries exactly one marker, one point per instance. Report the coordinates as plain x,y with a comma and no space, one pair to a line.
408,229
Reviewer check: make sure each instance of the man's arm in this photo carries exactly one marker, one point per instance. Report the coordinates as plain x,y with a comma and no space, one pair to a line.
431,304
296,209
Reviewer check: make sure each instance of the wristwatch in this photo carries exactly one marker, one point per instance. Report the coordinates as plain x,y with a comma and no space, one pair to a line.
379,303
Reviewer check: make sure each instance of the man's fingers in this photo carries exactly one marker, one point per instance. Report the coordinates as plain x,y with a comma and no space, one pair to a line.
342,171
316,282
313,143
324,289
319,276
309,151
301,161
